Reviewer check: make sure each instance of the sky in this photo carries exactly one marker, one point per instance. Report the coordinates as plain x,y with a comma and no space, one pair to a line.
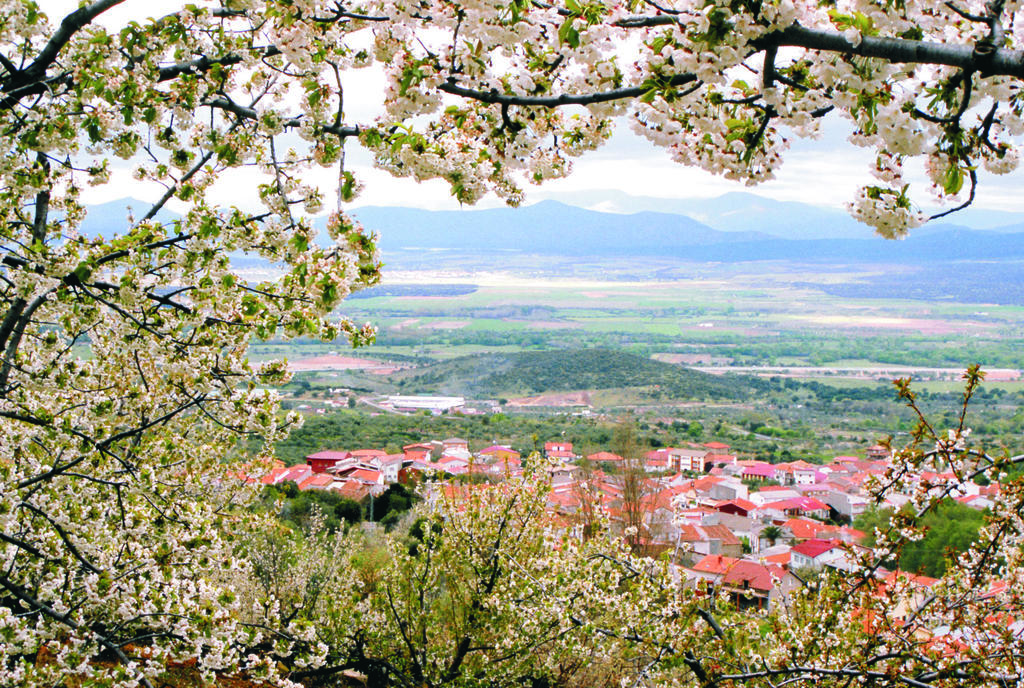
823,172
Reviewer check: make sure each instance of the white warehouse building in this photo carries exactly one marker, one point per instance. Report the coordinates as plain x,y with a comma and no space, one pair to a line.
437,404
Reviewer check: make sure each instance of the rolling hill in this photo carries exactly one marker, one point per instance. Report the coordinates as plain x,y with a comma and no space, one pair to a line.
533,372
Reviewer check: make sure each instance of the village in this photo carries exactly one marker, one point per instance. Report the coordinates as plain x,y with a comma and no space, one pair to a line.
753,530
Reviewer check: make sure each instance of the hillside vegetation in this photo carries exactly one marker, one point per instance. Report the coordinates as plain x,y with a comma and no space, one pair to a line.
534,372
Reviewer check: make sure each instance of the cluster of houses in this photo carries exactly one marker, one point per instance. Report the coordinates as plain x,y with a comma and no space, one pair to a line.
360,473
751,528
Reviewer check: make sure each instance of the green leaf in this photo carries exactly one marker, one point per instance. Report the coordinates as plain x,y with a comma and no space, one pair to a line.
82,272
953,180
568,35
348,187
92,128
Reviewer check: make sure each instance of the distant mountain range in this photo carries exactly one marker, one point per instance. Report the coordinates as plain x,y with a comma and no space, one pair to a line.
738,228
741,211
735,227
546,227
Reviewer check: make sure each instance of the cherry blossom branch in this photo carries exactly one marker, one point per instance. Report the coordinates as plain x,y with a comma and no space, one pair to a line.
228,105
811,672
8,65
104,444
36,605
69,26
205,63
494,98
21,544
62,533
21,310
983,19
1002,62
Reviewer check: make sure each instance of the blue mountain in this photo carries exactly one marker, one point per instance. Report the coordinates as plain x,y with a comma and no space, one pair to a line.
554,228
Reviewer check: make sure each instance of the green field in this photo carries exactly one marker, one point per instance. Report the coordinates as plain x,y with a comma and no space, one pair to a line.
755,315
811,371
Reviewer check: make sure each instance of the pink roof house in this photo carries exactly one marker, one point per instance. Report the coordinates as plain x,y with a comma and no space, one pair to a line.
321,461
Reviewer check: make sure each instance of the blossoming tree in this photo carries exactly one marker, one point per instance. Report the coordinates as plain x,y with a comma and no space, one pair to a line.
721,85
124,383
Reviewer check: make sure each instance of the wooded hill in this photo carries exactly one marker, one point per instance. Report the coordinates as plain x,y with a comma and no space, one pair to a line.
534,372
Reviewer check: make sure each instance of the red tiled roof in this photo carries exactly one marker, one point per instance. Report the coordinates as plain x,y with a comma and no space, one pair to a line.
748,574
365,474
739,573
815,547
853,533
274,475
922,581
798,503
330,455
804,528
764,470
744,504
353,489
604,456
497,448
706,483
317,481
369,453
564,499
690,533
296,473
715,563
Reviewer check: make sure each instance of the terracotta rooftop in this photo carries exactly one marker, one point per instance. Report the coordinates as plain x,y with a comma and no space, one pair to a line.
815,547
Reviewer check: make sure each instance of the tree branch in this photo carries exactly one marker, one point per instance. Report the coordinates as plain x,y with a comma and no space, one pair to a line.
38,606
1002,62
71,24
493,97
243,112
65,538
